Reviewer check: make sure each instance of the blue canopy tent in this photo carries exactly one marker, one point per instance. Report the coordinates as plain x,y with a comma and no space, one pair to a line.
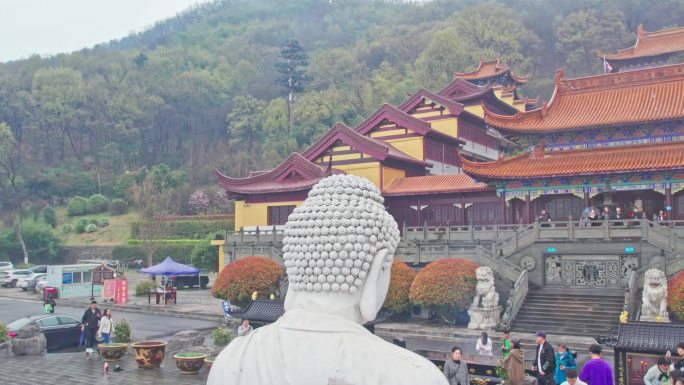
170,267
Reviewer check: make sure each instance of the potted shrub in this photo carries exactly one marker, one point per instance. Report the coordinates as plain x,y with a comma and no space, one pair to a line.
209,361
149,354
112,351
190,363
221,336
122,332
445,287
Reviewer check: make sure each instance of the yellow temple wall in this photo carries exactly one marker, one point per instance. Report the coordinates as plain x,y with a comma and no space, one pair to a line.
411,146
476,110
256,214
370,170
446,126
389,174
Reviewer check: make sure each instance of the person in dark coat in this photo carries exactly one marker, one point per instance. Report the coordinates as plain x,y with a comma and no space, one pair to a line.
545,360
456,369
89,324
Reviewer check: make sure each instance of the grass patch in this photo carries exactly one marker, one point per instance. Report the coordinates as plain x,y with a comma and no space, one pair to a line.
117,233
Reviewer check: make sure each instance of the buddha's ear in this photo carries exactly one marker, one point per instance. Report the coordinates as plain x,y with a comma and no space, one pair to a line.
375,287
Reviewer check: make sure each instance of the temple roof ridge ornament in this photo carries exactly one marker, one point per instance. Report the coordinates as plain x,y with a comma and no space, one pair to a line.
488,69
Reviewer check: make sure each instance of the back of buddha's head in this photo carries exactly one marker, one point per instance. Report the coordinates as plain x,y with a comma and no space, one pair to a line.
332,240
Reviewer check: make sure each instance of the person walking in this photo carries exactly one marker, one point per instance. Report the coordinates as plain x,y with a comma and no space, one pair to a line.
245,328
106,324
572,379
545,360
90,324
514,363
456,369
596,371
484,345
658,374
564,361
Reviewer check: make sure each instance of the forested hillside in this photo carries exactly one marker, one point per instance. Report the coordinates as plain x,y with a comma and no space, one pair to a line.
199,91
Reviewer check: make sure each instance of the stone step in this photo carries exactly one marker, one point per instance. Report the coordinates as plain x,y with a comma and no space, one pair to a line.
585,312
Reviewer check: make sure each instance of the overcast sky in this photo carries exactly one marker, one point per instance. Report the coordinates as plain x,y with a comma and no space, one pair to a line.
52,26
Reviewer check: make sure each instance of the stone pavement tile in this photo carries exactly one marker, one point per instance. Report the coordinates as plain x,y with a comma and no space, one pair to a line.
75,369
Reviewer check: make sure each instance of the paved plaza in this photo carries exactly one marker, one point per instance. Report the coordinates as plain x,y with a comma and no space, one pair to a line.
75,369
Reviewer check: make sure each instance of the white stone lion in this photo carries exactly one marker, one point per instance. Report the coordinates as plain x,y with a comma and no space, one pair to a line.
485,293
654,299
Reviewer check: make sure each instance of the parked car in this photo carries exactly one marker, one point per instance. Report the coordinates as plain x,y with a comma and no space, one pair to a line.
61,331
6,266
183,281
11,277
39,269
29,282
40,285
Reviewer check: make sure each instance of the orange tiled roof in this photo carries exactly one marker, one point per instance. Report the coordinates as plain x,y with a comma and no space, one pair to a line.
645,95
651,44
490,69
434,184
538,164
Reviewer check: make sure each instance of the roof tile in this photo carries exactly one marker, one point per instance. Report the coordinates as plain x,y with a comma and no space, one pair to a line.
433,184
652,44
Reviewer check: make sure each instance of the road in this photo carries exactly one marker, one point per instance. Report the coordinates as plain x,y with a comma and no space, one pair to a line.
142,325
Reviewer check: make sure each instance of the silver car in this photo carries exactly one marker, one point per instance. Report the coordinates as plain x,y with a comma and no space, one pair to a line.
4,265
11,277
29,282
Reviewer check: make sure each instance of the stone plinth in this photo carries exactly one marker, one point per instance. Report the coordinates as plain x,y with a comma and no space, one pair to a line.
484,318
654,318
187,339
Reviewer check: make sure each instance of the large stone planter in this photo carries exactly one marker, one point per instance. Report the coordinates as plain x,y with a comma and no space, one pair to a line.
149,354
209,361
112,352
190,363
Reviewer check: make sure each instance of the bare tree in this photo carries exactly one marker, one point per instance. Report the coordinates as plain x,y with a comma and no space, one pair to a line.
152,203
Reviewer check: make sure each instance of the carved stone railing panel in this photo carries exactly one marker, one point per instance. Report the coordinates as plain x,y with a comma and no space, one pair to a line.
589,271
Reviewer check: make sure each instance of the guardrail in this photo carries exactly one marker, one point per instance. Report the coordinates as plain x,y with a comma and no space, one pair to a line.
515,300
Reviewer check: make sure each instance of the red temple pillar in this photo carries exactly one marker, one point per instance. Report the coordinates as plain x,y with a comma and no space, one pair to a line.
586,199
527,209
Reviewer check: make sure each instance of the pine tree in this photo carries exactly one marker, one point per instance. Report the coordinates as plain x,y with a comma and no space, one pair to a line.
292,73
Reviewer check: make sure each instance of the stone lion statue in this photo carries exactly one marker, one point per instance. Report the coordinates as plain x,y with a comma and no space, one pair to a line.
485,293
654,299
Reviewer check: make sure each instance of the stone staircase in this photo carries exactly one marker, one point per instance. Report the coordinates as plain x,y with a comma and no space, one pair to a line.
570,312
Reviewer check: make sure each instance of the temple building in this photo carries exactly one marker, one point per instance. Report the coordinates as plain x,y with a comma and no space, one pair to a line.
651,49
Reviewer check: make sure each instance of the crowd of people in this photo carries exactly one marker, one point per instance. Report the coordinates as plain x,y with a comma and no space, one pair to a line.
592,216
558,367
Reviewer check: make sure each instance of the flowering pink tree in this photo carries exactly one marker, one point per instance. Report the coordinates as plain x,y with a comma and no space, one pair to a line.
199,201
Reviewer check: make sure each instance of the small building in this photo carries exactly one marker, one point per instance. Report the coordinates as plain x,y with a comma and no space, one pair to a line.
637,347
77,281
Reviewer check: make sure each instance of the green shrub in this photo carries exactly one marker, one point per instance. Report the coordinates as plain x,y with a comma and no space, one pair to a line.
137,242
92,221
81,225
77,206
3,332
198,229
43,246
90,228
97,204
102,222
50,217
67,229
221,336
143,287
122,332
118,207
205,256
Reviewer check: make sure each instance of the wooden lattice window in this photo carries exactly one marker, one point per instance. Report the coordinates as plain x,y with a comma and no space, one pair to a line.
483,213
277,215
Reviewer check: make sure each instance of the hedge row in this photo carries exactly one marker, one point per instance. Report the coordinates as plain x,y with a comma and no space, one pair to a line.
189,229
138,242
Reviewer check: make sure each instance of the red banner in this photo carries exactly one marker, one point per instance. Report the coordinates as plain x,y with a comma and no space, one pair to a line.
121,291
109,289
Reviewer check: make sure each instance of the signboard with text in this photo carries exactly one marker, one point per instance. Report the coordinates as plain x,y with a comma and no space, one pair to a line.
121,291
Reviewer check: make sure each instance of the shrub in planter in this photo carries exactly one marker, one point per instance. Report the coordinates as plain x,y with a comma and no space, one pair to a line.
143,287
675,298
446,285
90,228
97,204
77,206
221,336
118,207
102,222
397,299
122,332
241,278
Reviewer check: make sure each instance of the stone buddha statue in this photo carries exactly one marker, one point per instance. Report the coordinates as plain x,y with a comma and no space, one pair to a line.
338,251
